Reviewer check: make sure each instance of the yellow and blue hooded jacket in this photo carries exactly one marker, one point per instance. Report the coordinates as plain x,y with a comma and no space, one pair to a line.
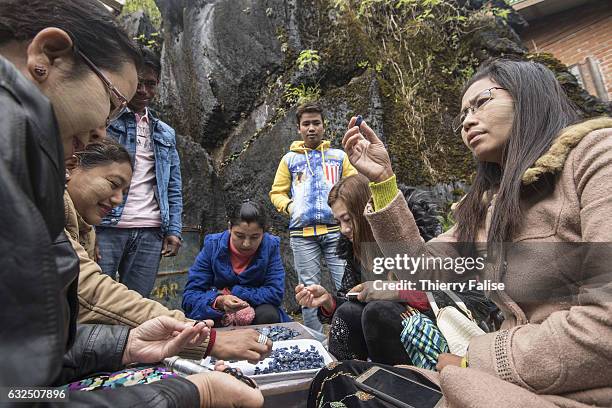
304,177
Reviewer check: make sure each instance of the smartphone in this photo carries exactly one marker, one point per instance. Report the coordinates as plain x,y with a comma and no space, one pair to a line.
352,296
398,390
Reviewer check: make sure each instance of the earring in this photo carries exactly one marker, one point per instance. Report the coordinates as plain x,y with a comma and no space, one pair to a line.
40,70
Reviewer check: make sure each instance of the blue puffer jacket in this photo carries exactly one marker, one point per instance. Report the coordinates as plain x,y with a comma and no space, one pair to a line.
262,282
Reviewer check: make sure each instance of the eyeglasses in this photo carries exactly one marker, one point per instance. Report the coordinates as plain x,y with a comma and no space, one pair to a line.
481,100
117,100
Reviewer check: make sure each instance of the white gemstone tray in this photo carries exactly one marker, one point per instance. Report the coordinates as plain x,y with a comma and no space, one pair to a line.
248,369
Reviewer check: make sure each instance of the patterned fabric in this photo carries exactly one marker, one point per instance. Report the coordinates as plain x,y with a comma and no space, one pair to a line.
335,387
340,341
123,378
422,340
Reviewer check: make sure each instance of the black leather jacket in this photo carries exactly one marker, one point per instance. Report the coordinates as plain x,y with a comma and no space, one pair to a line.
40,342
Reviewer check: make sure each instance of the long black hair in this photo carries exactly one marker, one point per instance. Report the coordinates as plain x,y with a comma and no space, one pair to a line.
425,211
90,25
541,110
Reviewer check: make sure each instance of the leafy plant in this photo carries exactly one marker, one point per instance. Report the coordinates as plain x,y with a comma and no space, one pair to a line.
501,13
308,58
420,51
153,41
148,6
301,93
447,220
341,5
431,3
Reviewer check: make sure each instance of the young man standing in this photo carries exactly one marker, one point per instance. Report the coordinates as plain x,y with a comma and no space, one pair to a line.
147,225
301,186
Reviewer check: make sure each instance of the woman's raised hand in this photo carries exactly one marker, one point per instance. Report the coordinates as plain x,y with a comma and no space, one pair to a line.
366,152
313,296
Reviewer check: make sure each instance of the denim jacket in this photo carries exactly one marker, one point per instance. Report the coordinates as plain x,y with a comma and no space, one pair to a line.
168,191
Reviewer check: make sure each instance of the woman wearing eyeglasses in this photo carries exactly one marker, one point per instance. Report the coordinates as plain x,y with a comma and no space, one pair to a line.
238,278
542,189
66,68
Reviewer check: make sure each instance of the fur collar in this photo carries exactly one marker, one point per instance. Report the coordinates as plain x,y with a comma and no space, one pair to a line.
554,159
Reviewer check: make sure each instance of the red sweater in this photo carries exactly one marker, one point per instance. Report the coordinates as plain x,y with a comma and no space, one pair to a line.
240,260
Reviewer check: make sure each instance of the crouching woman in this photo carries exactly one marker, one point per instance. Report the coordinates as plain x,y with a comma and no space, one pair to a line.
238,278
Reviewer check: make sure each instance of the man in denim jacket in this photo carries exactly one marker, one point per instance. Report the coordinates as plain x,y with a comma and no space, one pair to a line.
147,225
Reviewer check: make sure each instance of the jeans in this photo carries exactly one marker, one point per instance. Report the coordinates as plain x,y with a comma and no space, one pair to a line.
307,253
133,252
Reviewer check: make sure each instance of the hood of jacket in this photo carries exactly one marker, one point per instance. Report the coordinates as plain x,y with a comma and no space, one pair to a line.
553,160
77,228
298,146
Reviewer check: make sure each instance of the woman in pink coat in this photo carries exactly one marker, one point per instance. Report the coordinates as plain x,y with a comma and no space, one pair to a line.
540,211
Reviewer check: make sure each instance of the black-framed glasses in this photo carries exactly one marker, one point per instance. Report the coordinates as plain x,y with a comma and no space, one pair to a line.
117,100
481,100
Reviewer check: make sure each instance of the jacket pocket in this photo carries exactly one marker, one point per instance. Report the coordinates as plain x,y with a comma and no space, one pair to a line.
164,142
116,129
541,215
164,136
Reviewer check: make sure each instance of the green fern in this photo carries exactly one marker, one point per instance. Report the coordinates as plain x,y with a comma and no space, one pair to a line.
301,93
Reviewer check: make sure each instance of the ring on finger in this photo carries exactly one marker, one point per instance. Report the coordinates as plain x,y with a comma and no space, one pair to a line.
263,339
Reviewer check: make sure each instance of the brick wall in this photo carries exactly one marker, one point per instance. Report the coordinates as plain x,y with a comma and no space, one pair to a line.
581,37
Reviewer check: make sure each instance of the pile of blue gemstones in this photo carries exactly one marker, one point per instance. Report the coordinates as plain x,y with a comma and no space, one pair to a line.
277,333
287,359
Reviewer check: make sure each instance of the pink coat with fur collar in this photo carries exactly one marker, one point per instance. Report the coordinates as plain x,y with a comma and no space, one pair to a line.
551,351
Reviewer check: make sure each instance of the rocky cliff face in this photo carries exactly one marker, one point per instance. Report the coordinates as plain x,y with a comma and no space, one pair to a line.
233,70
